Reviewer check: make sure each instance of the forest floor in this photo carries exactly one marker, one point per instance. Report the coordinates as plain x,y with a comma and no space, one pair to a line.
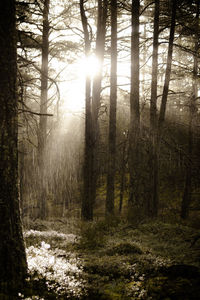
111,260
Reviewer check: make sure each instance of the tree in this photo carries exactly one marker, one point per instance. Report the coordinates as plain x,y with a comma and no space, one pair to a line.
153,195
162,112
12,251
186,200
168,71
113,105
87,201
134,130
96,89
92,134
40,49
42,134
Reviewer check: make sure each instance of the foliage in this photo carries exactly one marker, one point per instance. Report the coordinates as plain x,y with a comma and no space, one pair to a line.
161,287
124,249
151,261
93,235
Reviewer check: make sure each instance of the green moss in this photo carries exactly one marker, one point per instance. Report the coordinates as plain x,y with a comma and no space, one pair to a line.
4,296
155,286
122,261
124,249
162,287
114,291
110,267
92,236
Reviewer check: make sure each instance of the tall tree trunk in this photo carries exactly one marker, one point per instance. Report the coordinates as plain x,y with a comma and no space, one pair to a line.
87,201
12,252
134,110
43,110
192,111
99,51
112,120
163,107
153,193
96,91
122,175
92,110
167,73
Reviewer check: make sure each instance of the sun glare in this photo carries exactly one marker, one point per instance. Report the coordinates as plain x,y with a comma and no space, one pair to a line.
72,89
89,66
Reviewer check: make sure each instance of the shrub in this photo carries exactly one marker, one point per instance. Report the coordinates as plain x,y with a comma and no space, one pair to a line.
92,236
124,249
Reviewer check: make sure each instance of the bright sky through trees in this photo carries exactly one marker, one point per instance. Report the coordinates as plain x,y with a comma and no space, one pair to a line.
72,83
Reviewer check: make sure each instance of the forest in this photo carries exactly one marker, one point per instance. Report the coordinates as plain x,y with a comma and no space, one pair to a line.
99,149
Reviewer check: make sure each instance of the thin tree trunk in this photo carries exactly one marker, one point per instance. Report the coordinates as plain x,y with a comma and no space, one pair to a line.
113,106
122,177
192,111
43,110
153,193
134,110
87,201
144,57
167,73
100,45
163,107
12,251
92,111
96,90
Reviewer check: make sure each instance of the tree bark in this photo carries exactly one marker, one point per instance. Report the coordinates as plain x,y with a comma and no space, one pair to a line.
168,72
134,130
113,106
87,201
122,175
12,251
163,107
92,111
153,192
186,200
43,111
96,90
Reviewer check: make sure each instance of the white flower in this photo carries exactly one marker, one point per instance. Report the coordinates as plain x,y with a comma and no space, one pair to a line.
52,260
45,245
56,269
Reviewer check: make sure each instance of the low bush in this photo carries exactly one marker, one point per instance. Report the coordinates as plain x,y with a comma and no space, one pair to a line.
124,249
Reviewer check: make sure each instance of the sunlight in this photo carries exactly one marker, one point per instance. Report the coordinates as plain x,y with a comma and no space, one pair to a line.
72,91
89,66
61,269
72,95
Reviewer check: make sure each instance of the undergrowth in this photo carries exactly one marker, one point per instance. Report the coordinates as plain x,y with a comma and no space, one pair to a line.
111,260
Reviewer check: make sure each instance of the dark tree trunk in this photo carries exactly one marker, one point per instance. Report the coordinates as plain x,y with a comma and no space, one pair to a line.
92,111
192,111
122,176
87,201
134,130
167,73
153,192
100,44
112,120
163,107
96,91
43,111
12,252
